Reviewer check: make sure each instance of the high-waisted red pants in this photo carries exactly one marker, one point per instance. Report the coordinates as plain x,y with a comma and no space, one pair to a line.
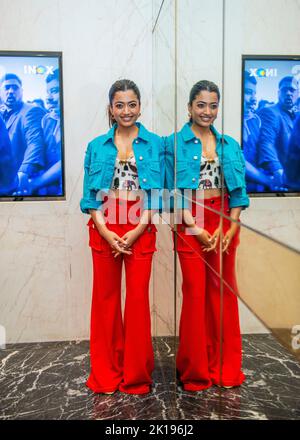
121,352
198,357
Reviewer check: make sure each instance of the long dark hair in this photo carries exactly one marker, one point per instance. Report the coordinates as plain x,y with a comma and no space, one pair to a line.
122,85
209,86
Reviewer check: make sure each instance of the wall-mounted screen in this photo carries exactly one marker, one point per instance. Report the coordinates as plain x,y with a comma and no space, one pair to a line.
271,123
31,126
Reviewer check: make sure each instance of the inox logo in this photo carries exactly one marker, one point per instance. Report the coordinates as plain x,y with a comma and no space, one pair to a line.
38,70
263,73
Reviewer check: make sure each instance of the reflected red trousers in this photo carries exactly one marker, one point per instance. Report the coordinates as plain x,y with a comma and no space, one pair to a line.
121,352
198,358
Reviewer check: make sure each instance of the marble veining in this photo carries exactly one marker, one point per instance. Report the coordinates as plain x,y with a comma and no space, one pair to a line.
47,381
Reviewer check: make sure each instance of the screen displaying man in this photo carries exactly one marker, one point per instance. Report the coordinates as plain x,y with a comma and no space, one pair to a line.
293,158
23,123
8,178
257,180
277,123
50,181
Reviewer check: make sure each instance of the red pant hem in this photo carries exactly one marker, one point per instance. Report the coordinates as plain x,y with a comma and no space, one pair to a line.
137,390
196,387
100,390
230,383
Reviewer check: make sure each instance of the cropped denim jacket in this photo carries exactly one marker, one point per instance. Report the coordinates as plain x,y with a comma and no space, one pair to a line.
188,159
100,160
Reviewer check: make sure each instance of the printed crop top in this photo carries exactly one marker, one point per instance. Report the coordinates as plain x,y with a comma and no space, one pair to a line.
210,174
125,175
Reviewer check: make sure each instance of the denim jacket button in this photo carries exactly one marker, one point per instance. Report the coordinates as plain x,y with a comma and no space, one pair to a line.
136,141
195,157
196,141
193,179
144,180
141,157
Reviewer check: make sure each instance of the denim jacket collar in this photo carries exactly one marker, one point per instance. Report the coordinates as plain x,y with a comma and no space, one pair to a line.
189,135
143,133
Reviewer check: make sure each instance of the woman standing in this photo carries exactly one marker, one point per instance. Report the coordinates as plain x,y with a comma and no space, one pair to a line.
122,167
202,156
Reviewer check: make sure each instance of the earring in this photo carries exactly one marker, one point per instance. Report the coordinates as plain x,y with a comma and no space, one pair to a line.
189,115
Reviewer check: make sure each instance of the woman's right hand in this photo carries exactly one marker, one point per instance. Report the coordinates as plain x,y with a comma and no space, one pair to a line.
203,236
116,243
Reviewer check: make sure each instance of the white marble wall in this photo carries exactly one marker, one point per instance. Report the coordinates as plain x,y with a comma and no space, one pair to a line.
199,37
45,260
164,70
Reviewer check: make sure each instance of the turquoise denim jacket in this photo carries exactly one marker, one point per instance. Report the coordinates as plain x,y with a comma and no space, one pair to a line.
99,166
189,151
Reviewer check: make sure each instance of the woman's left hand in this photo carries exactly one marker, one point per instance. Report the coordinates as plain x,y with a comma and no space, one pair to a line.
227,239
234,227
130,237
214,241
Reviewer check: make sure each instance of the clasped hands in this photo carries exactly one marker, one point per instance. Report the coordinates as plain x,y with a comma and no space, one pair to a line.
210,241
122,245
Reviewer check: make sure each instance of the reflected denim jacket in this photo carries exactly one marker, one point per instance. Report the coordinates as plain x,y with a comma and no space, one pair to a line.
188,159
99,166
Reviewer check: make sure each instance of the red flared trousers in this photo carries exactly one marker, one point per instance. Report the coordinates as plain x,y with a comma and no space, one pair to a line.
198,358
121,352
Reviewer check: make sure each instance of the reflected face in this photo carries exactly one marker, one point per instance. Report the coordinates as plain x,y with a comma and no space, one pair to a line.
288,94
204,108
53,96
250,100
125,108
11,93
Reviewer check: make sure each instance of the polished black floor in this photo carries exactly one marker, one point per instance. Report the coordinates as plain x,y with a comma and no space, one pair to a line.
47,381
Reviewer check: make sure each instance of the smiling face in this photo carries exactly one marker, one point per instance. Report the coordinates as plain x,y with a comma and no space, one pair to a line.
125,108
204,108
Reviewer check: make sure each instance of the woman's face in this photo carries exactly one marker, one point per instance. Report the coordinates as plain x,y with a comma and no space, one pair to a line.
204,108
125,108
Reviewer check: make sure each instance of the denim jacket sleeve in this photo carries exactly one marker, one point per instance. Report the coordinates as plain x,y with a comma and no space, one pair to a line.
169,163
168,199
181,199
88,200
238,196
153,197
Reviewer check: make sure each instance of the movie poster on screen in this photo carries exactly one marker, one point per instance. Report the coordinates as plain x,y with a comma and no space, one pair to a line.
31,126
271,123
